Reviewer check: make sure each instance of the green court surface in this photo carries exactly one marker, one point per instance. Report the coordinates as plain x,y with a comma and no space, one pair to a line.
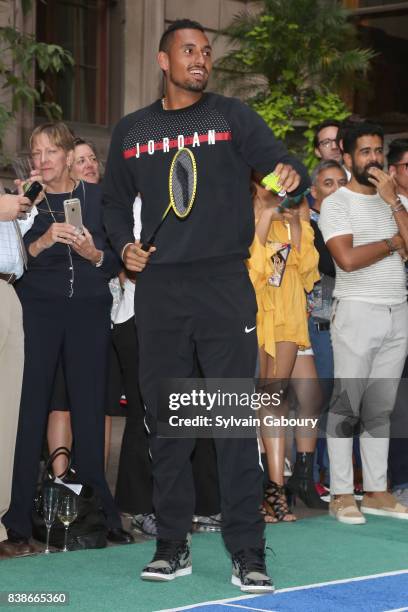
309,551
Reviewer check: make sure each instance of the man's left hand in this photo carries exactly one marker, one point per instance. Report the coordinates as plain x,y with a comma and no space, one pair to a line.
289,179
385,185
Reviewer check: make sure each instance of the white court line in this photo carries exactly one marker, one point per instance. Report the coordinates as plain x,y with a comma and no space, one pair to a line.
228,605
287,590
397,610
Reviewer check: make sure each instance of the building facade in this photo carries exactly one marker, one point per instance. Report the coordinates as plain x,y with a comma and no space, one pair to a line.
114,44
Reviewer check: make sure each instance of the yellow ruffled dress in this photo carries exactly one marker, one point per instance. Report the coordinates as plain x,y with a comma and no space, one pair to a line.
282,310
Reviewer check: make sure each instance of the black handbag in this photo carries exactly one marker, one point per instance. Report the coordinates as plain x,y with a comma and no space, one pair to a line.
89,528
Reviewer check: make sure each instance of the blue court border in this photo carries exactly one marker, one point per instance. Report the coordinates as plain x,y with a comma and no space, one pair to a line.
387,592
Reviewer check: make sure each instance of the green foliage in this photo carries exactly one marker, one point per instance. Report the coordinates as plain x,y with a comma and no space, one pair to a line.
20,53
291,60
299,45
282,111
277,110
318,108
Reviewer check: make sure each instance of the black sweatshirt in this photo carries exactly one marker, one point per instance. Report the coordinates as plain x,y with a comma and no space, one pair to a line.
50,273
228,140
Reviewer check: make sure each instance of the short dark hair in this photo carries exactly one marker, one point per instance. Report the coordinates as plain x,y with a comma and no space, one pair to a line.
324,165
321,126
396,150
356,131
179,24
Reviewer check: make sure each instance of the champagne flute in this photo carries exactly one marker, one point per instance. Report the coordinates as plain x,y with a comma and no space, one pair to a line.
23,166
67,513
50,507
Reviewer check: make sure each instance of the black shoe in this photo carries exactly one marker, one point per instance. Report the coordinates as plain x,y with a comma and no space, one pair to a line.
249,571
171,560
119,536
301,482
211,522
16,538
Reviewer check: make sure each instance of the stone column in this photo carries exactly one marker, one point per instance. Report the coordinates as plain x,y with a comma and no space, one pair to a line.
144,24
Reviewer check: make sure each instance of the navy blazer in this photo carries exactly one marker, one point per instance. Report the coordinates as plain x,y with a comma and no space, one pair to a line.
59,271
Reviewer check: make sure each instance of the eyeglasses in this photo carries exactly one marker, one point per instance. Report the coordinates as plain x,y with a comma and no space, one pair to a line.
402,164
327,142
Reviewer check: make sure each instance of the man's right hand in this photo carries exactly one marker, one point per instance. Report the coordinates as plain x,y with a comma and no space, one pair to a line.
134,258
23,186
13,207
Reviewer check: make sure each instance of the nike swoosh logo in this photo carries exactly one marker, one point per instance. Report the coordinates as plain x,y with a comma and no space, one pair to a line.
249,329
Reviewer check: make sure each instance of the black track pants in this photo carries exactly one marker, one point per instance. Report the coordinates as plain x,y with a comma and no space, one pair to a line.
203,308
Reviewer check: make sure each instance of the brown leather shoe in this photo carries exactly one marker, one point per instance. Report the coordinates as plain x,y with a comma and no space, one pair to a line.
10,549
344,509
383,504
4,552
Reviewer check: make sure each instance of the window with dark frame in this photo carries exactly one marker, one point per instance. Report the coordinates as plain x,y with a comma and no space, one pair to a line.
356,4
81,27
383,27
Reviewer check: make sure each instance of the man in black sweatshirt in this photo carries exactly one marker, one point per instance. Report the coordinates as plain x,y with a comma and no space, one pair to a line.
194,296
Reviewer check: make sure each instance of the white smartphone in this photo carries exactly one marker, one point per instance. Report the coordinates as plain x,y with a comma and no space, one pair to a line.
73,213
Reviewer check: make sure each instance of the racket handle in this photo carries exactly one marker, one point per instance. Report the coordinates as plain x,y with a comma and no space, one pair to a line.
146,246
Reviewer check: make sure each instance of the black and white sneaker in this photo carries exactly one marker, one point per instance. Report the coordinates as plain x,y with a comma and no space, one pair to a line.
249,571
207,523
171,560
145,523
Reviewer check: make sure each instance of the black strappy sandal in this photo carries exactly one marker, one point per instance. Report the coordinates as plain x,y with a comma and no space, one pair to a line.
276,503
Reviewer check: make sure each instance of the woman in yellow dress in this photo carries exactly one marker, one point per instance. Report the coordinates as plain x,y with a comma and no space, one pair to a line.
282,266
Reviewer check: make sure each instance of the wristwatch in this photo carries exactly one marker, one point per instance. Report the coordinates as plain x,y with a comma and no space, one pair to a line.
398,205
391,247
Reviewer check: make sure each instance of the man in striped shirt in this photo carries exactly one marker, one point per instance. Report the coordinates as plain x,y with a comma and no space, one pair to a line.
365,227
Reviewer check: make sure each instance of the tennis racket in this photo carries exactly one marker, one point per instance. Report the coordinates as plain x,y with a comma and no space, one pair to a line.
182,189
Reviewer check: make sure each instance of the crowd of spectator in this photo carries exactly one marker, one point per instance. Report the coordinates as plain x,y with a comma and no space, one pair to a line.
332,327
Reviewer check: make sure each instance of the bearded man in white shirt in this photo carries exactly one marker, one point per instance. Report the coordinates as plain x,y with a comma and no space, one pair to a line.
365,227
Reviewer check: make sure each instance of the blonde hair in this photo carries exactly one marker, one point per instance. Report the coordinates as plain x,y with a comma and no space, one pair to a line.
59,134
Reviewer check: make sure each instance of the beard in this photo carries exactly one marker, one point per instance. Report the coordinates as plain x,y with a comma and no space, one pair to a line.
361,174
190,85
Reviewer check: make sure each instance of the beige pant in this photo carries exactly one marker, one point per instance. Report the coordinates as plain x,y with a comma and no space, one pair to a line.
11,375
370,343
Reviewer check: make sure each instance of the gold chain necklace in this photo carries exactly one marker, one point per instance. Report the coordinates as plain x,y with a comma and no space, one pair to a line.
71,263
48,204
